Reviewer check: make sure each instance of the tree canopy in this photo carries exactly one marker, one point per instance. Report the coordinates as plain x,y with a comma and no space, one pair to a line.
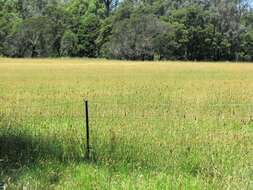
128,29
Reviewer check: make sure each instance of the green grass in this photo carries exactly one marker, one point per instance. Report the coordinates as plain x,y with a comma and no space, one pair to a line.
169,125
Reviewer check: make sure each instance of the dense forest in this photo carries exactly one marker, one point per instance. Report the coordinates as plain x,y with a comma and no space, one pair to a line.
128,29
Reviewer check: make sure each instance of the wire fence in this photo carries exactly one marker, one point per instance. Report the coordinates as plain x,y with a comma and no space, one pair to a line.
126,111
102,110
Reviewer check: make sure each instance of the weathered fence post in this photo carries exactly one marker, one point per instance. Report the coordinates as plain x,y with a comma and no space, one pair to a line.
86,112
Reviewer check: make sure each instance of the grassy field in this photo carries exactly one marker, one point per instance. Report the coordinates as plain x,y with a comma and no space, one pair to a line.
169,125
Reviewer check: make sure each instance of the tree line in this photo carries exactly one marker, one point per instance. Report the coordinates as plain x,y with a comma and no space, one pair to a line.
128,29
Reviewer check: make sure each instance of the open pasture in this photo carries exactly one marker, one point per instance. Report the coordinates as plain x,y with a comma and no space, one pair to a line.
154,125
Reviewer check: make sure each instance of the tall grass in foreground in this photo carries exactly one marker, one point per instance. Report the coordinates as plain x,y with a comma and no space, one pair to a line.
213,144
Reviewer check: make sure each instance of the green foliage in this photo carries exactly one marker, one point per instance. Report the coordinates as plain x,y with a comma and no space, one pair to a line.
87,35
104,36
137,38
7,22
31,38
192,30
61,21
69,43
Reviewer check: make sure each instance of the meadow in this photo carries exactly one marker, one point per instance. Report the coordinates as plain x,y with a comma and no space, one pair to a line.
154,125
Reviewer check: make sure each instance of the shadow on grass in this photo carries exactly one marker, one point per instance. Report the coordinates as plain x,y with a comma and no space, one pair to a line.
23,150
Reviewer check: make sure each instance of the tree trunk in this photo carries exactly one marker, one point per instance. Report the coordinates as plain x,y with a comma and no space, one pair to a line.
107,6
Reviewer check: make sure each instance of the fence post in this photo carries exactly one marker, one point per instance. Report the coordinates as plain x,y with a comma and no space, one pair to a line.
86,112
